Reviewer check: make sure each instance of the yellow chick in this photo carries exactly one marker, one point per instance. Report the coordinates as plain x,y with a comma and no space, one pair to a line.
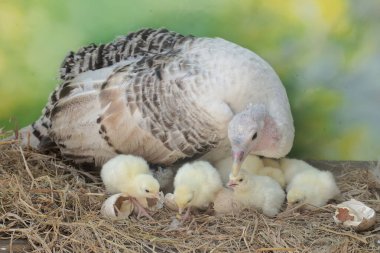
195,185
307,184
224,166
131,175
292,167
254,165
270,162
274,173
314,187
260,192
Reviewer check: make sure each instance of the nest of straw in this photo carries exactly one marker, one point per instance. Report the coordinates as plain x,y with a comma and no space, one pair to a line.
50,206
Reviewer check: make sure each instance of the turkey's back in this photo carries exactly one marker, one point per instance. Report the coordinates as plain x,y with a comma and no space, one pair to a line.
129,96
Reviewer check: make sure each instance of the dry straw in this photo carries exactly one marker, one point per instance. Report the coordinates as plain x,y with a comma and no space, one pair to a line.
49,206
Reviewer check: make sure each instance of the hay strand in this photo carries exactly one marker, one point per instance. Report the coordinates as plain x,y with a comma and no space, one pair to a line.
361,239
49,206
27,167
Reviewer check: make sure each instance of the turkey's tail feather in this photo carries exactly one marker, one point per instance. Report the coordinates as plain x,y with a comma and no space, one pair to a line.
25,136
35,136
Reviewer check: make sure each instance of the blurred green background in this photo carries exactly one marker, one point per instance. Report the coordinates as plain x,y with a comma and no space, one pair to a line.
327,54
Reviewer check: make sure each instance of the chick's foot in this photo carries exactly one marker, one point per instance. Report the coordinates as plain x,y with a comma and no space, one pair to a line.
140,209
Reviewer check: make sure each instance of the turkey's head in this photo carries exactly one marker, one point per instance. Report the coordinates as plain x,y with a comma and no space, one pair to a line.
255,131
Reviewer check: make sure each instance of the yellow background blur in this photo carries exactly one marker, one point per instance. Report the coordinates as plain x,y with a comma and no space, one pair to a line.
326,53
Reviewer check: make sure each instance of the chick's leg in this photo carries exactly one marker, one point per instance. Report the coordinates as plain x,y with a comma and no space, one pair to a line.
141,210
186,215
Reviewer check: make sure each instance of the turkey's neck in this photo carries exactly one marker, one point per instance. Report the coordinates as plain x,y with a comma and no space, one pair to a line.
257,84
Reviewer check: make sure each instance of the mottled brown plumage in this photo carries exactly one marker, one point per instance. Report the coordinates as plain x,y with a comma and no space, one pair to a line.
145,42
162,96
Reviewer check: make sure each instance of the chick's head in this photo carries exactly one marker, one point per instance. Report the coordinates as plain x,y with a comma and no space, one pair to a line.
295,196
148,186
238,182
183,197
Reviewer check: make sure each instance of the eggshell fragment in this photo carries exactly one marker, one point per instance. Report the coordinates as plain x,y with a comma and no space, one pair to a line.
117,206
355,214
170,203
155,204
226,203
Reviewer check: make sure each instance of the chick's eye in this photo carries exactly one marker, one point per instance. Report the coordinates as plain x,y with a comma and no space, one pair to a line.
240,180
254,136
146,190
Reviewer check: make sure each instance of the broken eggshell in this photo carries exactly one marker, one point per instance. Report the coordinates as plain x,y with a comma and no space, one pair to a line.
155,204
355,214
170,202
117,206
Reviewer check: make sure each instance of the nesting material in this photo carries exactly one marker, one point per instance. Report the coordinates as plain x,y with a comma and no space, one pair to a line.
355,214
374,176
50,206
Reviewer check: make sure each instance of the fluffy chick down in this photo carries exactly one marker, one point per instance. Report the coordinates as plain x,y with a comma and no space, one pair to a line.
314,187
130,175
270,162
255,165
307,184
196,184
272,172
226,203
260,192
224,165
292,167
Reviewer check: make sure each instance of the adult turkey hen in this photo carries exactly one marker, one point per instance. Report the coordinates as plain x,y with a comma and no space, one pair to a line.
165,97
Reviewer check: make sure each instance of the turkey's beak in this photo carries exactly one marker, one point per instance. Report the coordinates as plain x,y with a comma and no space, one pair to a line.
238,158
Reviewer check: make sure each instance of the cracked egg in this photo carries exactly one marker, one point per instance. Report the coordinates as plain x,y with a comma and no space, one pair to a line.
355,214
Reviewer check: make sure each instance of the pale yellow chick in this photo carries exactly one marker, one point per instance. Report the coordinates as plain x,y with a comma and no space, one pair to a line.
252,164
130,175
274,173
314,187
260,192
196,185
224,166
292,167
307,184
270,162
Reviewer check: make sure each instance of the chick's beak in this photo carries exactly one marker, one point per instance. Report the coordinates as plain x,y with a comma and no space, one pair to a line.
181,207
238,158
231,184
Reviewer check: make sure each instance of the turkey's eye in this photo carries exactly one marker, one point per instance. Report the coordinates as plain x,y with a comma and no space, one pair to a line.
240,180
254,136
147,191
